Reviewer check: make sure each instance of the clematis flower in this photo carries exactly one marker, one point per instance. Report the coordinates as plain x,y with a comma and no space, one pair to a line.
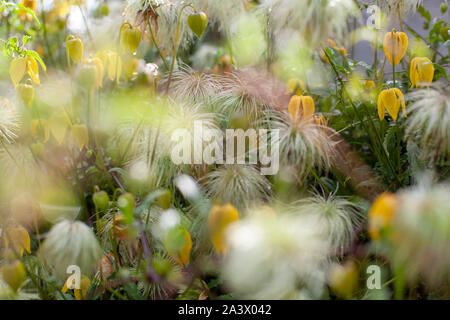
381,213
219,219
112,62
21,65
74,47
301,107
296,86
391,100
39,129
395,45
18,238
421,71
81,293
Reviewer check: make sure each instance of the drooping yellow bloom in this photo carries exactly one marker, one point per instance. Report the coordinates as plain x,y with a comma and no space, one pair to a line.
130,67
391,100
21,65
178,244
395,45
18,238
219,219
369,84
381,213
26,92
81,292
421,71
94,72
80,136
59,123
130,38
295,86
112,62
301,107
13,273
74,48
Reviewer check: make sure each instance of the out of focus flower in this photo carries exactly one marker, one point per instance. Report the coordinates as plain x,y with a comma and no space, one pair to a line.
219,219
429,123
9,121
74,48
382,213
97,63
80,293
194,86
343,279
395,45
303,142
391,100
420,234
178,244
336,217
70,243
295,86
18,238
13,273
276,257
112,62
421,72
369,84
59,122
130,68
21,65
301,107
79,135
107,266
30,4
25,91
240,185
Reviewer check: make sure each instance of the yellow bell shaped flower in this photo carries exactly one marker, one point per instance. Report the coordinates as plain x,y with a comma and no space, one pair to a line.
295,86
381,213
178,244
391,100
421,71
80,136
219,219
130,67
21,65
26,92
14,274
58,123
301,107
112,62
395,45
130,38
343,279
18,238
39,129
80,293
74,48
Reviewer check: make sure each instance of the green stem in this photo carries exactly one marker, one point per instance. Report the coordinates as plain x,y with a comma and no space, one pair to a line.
157,46
177,44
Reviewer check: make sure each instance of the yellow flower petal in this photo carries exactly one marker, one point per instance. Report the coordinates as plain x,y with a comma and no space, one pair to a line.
33,69
17,69
219,219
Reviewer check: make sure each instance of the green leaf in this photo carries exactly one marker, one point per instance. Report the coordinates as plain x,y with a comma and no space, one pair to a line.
31,12
36,55
424,13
